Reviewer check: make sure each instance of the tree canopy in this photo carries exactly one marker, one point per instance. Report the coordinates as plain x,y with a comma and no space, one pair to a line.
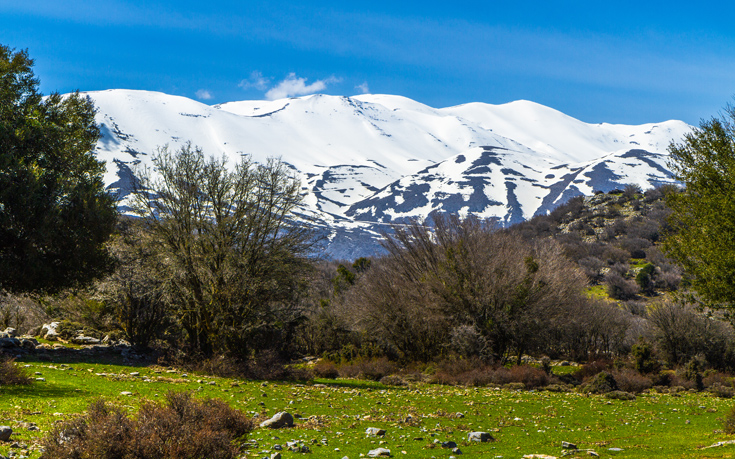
55,215
702,238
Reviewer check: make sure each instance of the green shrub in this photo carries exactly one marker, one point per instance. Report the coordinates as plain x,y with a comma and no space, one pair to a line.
68,330
693,373
644,278
644,361
619,395
180,428
602,383
392,380
728,424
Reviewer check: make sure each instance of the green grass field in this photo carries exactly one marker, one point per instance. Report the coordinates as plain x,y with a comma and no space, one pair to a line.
335,413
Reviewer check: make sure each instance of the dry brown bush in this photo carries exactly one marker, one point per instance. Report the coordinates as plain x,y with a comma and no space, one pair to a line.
592,368
325,369
11,374
365,368
464,273
265,365
469,372
180,428
631,381
20,312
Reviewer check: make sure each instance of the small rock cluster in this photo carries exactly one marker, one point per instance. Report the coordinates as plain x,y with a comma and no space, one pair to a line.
11,343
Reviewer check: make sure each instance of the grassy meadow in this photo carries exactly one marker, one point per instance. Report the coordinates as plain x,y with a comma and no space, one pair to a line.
332,415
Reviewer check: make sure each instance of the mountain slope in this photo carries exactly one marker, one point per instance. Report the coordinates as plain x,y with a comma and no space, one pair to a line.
369,160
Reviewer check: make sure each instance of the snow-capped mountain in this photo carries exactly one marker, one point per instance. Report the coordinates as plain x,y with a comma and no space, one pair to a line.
371,160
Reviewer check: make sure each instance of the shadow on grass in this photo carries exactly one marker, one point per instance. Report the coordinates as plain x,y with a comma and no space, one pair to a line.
357,384
35,390
72,358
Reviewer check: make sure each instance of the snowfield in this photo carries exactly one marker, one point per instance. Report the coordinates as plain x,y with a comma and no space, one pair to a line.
372,160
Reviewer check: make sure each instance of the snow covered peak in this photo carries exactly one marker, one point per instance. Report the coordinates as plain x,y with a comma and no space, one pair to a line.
384,158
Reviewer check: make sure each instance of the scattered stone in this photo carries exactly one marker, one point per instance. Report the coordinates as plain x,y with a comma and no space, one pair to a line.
374,431
479,436
567,445
10,332
592,453
457,451
538,456
5,432
282,419
135,373
449,444
615,449
126,393
459,415
276,455
379,452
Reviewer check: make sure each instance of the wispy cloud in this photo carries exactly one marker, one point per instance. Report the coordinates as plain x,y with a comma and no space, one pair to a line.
295,86
256,80
363,88
203,94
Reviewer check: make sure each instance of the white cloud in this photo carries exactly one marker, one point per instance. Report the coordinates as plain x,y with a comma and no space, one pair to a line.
256,80
363,88
203,94
295,86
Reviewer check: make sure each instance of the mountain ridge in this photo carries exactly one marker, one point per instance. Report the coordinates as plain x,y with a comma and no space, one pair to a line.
372,160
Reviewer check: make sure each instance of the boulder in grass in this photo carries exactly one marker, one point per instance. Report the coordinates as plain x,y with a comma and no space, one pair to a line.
5,433
567,445
480,436
49,331
9,332
379,452
81,339
9,342
374,431
282,419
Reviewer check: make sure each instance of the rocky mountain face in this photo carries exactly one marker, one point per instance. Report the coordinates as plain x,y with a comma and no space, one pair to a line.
370,161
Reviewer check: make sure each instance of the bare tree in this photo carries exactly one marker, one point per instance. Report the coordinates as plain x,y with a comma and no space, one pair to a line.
463,272
234,253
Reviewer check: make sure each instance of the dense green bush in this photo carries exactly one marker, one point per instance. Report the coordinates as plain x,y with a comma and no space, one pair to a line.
643,357
601,383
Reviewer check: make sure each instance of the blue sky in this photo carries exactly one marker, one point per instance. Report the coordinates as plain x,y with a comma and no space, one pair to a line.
619,62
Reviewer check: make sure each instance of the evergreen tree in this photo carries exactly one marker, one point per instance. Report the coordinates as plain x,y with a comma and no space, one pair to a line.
55,215
702,238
